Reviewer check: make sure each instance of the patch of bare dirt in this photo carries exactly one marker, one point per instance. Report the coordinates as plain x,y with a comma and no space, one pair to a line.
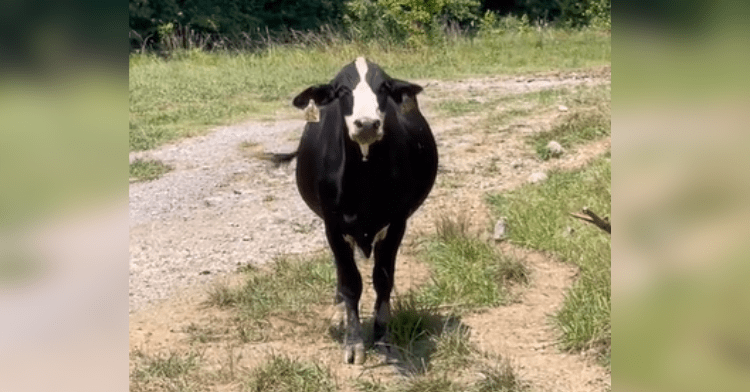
219,209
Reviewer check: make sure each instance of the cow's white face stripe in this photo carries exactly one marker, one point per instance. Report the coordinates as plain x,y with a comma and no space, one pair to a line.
364,106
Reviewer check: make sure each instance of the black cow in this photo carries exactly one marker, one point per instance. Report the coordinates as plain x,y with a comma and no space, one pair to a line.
364,167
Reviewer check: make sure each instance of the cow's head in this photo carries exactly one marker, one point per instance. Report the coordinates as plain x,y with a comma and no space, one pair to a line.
362,90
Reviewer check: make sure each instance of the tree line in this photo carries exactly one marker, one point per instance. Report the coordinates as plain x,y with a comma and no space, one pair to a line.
211,23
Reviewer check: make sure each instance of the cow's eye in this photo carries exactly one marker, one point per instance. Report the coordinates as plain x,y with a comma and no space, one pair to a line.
343,91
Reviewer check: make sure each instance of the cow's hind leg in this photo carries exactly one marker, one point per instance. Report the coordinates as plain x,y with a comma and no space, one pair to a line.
383,278
349,291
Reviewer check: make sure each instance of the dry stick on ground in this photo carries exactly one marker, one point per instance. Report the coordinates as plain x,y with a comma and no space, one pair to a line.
591,217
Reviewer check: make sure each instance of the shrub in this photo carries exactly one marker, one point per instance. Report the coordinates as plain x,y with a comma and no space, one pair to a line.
414,22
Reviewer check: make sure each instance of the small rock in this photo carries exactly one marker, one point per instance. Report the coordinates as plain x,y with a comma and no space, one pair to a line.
212,201
562,108
237,192
555,149
516,164
205,272
500,230
537,177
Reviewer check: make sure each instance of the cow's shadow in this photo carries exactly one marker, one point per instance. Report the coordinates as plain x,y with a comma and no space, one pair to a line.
412,341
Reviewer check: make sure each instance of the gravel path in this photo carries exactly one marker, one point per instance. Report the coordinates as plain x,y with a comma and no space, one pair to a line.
216,210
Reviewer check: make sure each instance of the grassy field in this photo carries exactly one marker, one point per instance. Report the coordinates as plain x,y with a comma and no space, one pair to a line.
193,91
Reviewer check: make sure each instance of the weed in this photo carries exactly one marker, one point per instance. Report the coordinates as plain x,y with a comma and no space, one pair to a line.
163,372
429,383
411,329
499,377
460,107
467,272
453,350
282,374
291,285
369,386
575,128
147,170
201,334
169,366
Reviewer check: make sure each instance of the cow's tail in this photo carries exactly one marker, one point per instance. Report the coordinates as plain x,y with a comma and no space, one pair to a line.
278,158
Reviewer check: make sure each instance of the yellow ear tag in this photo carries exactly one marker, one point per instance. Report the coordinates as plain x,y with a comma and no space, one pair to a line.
312,114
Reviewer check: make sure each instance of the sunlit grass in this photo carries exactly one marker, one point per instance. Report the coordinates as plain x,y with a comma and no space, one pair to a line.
538,217
193,91
467,272
290,285
284,374
146,170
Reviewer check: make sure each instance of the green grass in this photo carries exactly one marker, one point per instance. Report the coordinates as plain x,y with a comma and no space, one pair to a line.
454,107
193,91
499,377
290,286
537,217
147,170
467,272
283,374
163,372
574,129
588,119
429,384
413,331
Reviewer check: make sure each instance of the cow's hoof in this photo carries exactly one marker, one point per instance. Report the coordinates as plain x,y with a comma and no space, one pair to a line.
387,353
354,353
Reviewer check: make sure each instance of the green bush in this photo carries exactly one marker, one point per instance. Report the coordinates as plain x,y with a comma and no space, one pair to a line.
154,22
414,22
570,13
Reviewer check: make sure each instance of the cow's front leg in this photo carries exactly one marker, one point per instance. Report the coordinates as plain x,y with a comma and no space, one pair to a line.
349,291
382,278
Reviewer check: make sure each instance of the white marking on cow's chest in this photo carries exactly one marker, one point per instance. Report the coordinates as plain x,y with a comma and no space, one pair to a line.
364,108
379,236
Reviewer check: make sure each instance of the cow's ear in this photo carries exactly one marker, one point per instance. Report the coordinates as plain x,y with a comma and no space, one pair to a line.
321,95
397,88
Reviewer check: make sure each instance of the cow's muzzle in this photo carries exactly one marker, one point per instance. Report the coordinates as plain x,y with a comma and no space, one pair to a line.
367,131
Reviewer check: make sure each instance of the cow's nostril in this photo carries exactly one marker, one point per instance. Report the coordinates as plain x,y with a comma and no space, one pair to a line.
358,123
376,124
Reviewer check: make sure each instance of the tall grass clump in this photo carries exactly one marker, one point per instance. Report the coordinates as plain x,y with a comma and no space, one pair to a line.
424,338
171,371
499,377
538,217
148,169
283,374
467,272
